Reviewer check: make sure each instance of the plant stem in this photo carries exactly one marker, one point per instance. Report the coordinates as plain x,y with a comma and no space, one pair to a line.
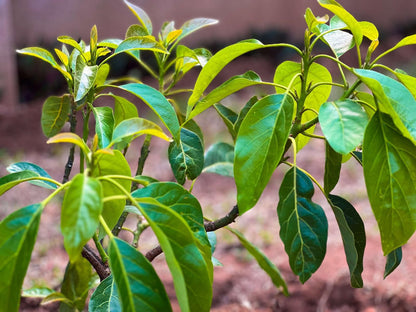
101,251
144,152
73,126
102,269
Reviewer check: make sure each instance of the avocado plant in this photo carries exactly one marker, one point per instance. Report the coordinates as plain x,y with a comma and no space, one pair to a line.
371,119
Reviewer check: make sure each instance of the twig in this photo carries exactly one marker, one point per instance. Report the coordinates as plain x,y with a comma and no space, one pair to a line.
70,161
102,269
151,254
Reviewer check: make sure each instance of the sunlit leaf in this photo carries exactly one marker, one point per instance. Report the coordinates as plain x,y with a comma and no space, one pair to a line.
13,179
69,137
84,78
141,16
195,24
104,123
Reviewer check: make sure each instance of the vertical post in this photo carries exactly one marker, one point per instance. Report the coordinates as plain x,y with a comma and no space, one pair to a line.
8,69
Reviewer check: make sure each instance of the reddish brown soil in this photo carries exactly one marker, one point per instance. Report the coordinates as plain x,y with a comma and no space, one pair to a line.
240,285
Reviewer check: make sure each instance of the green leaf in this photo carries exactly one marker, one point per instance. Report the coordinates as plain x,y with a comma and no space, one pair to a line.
71,42
339,41
312,21
408,40
158,103
260,145
263,262
194,24
112,164
333,162
343,124
186,157
81,208
123,109
303,225
55,112
139,287
192,277
231,86
140,43
129,129
219,159
11,180
105,297
408,81
243,113
229,117
346,17
317,73
141,16
37,292
18,233
69,137
393,99
353,236
369,30
393,261
104,124
136,30
26,166
216,63
389,162
102,74
84,78
76,284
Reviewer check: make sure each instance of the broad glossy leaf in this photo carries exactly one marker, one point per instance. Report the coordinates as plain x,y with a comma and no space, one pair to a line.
112,164
158,103
123,109
129,129
263,262
76,284
84,78
219,159
343,124
186,157
26,166
216,63
333,161
13,179
393,261
389,162
353,236
393,99
369,30
192,277
104,124
229,117
303,224
69,137
194,24
231,86
408,81
138,286
81,208
346,17
18,233
105,297
140,43
102,74
141,16
55,112
316,74
339,41
260,145
71,42
243,113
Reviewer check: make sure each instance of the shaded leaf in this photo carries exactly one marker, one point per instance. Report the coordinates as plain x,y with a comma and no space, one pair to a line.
18,233
393,261
243,113
37,292
229,117
353,236
123,109
55,112
26,166
104,124
105,297
303,224
219,159
333,161
260,145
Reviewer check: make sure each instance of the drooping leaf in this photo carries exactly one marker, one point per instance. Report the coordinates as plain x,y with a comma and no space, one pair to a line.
303,225
55,112
13,179
129,129
317,73
105,297
393,99
76,284
231,86
138,286
393,261
353,236
69,137
192,277
26,166
84,78
141,16
389,163
81,208
194,24
18,233
158,103
112,164
186,157
229,117
219,159
263,262
369,30
333,161
104,124
260,145
343,124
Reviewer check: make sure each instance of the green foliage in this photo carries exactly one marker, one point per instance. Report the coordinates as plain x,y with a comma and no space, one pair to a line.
376,128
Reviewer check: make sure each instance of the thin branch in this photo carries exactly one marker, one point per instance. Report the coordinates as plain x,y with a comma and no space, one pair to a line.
101,268
152,254
70,161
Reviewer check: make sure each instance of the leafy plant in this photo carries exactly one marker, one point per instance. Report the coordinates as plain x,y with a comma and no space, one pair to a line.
376,128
